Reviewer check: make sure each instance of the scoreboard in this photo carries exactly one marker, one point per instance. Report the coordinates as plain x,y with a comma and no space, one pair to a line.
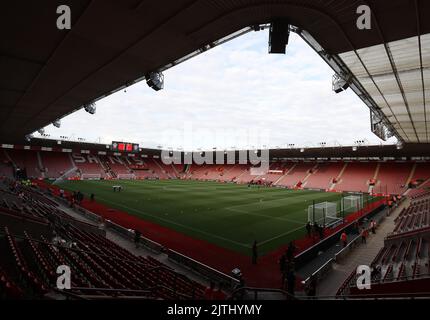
124,147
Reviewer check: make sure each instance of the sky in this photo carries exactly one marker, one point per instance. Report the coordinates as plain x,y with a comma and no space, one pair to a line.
233,96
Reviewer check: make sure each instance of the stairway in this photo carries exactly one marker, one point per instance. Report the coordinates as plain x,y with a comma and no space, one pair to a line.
286,173
375,178
40,164
107,168
339,176
311,172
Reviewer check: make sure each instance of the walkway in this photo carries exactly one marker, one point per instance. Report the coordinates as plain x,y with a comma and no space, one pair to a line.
361,255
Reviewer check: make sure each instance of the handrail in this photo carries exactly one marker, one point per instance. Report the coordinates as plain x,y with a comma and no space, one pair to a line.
256,290
319,270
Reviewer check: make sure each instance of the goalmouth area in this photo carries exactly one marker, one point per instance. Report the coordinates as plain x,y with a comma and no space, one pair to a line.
228,215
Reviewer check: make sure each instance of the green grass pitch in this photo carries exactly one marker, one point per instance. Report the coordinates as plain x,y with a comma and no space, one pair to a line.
229,215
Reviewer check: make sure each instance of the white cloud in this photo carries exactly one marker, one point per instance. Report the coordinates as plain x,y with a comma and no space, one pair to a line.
235,88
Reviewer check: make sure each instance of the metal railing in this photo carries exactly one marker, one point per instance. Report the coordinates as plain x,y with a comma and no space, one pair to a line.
241,293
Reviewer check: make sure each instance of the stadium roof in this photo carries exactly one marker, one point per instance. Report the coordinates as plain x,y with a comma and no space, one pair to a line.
48,73
397,77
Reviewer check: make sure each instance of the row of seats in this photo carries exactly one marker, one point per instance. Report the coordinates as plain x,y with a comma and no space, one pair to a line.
99,266
405,255
415,216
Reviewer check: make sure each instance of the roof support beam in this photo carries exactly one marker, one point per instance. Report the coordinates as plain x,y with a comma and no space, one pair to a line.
417,13
393,67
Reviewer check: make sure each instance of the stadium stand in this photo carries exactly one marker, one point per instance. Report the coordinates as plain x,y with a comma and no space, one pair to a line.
392,177
56,164
296,175
356,177
26,160
100,267
388,177
6,167
89,166
402,264
324,175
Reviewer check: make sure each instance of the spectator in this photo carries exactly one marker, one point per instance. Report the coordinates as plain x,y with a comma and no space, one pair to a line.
283,267
344,239
209,291
311,289
79,197
364,234
254,252
373,226
137,235
291,281
321,232
291,251
356,228
219,294
308,228
92,197
316,228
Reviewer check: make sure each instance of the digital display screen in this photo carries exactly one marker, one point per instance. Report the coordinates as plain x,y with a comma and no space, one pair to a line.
124,147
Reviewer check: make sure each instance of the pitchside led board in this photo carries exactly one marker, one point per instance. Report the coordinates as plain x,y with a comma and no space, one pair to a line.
124,147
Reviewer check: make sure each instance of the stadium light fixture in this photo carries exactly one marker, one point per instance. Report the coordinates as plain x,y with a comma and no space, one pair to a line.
302,150
399,145
155,80
279,34
90,107
41,131
28,137
340,82
57,123
354,148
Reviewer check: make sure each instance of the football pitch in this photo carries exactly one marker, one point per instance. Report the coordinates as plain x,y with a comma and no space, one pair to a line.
228,215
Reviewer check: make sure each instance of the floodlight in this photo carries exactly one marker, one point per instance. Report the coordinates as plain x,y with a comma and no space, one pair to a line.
57,123
155,80
90,107
340,82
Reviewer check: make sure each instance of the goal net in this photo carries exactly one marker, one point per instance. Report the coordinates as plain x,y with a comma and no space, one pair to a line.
126,176
323,213
91,176
352,203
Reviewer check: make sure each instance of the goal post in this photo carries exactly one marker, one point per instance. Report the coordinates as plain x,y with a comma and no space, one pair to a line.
91,176
126,176
323,213
352,203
